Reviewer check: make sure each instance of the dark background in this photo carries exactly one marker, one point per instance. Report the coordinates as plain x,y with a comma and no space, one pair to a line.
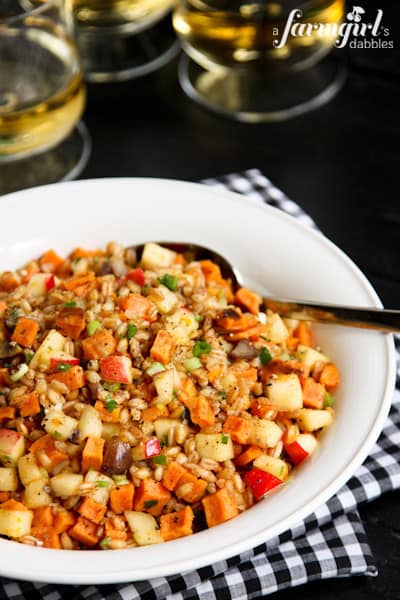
340,163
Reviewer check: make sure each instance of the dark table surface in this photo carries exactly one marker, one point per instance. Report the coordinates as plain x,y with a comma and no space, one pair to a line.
340,163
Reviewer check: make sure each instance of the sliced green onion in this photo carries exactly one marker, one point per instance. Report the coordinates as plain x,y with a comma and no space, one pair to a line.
20,372
111,386
145,290
201,347
56,435
120,479
93,326
104,542
161,459
70,303
328,400
191,364
223,395
170,281
265,355
155,368
101,483
184,414
198,318
131,331
150,503
63,366
224,439
110,404
28,356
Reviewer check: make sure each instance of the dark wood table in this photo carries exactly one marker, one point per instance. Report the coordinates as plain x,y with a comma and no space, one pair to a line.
340,163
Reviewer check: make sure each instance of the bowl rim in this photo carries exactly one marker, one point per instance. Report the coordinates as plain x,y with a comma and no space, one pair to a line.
19,571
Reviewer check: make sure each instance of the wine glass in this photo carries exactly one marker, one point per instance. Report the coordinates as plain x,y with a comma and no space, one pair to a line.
260,60
123,39
42,96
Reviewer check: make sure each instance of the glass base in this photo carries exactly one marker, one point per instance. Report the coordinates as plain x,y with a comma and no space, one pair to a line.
117,54
253,98
63,162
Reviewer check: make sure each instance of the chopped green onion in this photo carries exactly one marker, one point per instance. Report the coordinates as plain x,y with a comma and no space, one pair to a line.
93,326
198,318
155,368
131,331
281,471
145,290
170,281
20,372
191,364
111,386
56,435
328,400
223,395
175,394
161,459
150,503
265,355
164,442
63,366
28,356
120,479
104,542
101,483
70,303
201,347
224,439
110,404
184,414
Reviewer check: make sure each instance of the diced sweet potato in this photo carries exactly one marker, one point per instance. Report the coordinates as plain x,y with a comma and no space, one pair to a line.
313,393
92,454
201,411
240,429
154,412
247,456
46,453
85,532
74,378
151,497
63,520
106,415
176,524
25,332
219,507
101,344
6,413
190,488
303,333
172,474
48,537
71,321
329,376
50,261
121,498
28,404
163,347
249,300
92,510
43,517
136,306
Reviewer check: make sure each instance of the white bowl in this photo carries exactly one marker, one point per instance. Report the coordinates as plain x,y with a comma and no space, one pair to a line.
272,250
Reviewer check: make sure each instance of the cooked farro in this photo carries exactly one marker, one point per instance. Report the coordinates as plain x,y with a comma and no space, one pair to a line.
141,402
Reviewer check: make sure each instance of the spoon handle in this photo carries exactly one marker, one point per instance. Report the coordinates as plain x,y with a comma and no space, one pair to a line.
367,318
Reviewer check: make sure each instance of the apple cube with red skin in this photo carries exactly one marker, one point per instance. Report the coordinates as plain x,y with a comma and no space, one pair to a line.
116,368
303,446
40,283
137,276
152,448
12,447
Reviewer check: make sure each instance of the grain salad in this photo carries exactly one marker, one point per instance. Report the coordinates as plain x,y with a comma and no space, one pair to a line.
143,400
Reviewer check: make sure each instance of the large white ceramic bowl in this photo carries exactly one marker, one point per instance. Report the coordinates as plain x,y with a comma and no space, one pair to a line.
273,251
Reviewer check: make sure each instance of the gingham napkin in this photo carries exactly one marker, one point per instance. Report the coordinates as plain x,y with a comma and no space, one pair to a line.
329,543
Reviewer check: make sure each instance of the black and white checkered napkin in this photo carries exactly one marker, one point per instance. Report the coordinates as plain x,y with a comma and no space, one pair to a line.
329,543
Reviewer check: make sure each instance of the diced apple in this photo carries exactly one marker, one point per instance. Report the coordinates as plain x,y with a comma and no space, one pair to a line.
276,330
181,325
90,423
164,299
155,256
66,484
62,358
309,357
312,419
164,383
116,368
163,425
29,470
102,486
285,392
52,344
303,446
40,283
12,447
59,425
35,495
15,523
109,429
217,446
8,479
144,528
266,434
271,464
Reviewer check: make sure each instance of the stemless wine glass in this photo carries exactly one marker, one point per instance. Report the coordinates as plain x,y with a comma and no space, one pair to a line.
42,96
123,39
244,60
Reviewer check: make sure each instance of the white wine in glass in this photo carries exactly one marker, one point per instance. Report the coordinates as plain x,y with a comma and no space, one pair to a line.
120,12
42,94
235,47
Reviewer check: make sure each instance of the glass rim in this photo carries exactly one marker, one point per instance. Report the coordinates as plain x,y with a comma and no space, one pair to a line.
37,10
302,5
